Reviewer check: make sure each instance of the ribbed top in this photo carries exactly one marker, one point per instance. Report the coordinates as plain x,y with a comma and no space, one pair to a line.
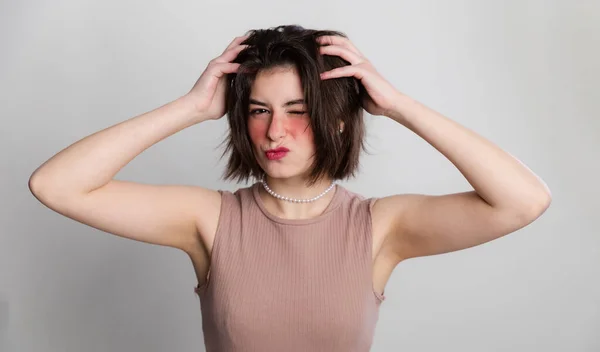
290,285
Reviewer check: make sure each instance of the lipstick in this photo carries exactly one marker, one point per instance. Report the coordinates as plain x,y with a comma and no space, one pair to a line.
277,153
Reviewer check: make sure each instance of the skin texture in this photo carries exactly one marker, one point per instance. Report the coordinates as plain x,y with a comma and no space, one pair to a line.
78,182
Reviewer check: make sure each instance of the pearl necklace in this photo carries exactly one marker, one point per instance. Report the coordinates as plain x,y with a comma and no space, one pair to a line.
294,200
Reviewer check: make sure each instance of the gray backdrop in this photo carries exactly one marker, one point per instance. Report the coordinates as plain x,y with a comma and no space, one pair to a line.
522,73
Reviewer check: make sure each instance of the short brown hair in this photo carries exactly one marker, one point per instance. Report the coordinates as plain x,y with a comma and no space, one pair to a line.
328,101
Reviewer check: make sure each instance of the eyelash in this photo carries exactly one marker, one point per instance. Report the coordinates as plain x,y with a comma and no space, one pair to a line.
253,112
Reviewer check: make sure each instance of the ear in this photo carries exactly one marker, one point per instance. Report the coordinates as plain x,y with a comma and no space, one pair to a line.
341,126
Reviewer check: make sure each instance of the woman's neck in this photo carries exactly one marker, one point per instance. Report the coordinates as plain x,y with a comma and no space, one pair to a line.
298,189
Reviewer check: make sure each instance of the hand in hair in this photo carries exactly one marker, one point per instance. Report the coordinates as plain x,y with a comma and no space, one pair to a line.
208,95
381,94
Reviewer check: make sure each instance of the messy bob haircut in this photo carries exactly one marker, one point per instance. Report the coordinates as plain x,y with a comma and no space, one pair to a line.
329,102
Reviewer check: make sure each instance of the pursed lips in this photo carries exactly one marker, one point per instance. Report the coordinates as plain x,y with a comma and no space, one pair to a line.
276,153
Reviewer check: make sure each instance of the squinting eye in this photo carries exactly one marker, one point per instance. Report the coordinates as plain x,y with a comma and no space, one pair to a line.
298,112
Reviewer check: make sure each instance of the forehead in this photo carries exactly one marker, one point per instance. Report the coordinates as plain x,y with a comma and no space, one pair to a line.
277,83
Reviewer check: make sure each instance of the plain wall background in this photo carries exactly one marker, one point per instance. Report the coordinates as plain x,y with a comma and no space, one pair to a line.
522,73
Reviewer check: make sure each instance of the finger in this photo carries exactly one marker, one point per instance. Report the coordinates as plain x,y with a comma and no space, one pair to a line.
337,40
231,54
237,41
222,68
342,52
345,71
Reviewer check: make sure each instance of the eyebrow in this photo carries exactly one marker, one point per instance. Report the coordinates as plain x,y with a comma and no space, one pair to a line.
289,103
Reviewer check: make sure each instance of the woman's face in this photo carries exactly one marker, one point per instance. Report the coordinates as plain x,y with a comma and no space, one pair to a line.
279,125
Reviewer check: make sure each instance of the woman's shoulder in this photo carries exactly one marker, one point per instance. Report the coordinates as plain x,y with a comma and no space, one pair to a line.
356,201
355,196
236,196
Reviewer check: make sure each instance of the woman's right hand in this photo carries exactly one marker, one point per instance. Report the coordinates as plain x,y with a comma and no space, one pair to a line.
208,93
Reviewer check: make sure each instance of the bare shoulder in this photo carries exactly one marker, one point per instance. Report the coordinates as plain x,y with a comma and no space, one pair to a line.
208,215
385,213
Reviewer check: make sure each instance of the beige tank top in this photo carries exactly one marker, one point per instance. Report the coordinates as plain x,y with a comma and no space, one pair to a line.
290,285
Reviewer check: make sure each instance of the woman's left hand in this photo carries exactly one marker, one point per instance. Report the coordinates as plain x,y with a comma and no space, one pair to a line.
382,95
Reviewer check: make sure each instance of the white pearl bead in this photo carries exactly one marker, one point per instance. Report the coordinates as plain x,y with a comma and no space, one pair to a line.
294,200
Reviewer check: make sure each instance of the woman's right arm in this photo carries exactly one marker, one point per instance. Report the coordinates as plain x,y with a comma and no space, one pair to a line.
78,181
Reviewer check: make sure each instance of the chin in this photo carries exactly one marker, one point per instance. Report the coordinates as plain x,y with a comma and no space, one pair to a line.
283,171
281,174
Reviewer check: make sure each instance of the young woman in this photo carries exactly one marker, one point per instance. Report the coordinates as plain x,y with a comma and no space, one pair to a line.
293,262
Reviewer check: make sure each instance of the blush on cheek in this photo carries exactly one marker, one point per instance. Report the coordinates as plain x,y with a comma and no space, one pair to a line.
296,129
299,129
257,131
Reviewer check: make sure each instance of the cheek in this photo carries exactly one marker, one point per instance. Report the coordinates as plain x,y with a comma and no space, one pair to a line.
300,130
257,130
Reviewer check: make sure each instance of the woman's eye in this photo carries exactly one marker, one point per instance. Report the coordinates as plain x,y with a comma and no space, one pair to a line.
257,111
260,111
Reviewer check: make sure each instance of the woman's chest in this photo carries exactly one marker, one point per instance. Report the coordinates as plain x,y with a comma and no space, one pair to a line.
308,309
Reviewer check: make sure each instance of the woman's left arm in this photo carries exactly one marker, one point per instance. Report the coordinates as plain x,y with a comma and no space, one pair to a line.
507,195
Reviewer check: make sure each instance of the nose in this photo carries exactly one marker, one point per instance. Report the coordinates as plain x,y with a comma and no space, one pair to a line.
276,129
